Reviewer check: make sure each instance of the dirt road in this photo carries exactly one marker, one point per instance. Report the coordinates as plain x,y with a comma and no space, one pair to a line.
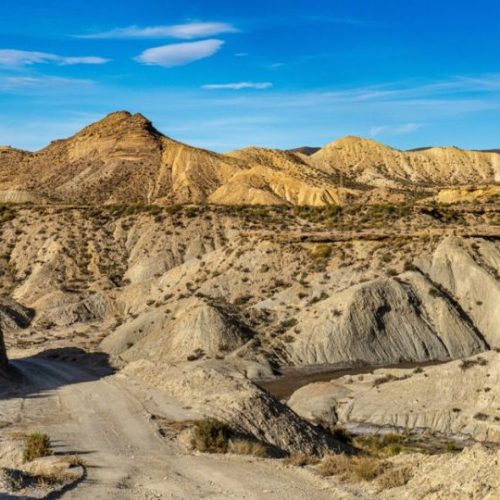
107,421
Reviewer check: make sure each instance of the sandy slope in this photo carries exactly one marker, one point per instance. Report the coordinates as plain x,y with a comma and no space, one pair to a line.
106,420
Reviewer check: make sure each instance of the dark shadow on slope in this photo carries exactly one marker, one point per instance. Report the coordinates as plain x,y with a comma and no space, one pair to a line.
30,377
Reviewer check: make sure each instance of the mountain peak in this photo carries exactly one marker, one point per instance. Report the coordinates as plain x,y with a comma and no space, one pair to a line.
123,116
117,123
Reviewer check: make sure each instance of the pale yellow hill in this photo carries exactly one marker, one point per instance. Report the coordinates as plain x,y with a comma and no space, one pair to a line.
276,177
370,162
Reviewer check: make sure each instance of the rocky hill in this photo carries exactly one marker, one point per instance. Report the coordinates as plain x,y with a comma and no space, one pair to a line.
124,159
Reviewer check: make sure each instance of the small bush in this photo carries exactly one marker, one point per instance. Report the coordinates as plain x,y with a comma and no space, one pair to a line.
322,251
481,416
248,447
384,379
36,445
211,436
469,363
381,444
352,469
394,478
300,460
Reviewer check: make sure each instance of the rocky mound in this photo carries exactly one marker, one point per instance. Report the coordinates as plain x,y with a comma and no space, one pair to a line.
215,391
196,329
459,398
365,323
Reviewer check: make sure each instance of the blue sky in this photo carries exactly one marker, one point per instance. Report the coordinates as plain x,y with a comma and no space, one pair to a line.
225,74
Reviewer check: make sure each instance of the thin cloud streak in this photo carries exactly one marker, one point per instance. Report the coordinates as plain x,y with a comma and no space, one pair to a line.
407,128
187,31
14,83
18,58
238,86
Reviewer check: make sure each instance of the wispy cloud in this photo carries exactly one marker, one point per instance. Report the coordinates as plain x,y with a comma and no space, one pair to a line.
238,86
179,54
12,83
17,58
335,20
406,128
187,31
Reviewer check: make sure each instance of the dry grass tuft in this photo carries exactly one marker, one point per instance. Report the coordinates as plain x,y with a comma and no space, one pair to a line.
36,445
394,478
300,460
74,461
248,447
210,436
352,469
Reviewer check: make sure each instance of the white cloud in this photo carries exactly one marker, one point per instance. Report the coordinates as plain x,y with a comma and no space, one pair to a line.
179,54
187,31
70,61
238,86
16,58
407,128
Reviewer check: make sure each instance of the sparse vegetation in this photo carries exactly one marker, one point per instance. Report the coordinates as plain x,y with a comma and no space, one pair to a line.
352,468
394,477
241,446
36,445
211,436
469,363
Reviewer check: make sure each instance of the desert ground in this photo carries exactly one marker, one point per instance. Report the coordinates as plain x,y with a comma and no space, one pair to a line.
177,323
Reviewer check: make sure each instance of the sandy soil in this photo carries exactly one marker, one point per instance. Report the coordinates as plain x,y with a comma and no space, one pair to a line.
108,422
